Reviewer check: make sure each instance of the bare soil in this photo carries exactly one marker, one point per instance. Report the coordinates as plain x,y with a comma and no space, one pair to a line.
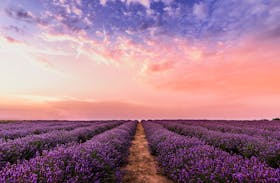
142,166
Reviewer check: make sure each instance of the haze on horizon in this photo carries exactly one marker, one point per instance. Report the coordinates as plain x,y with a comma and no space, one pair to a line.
121,59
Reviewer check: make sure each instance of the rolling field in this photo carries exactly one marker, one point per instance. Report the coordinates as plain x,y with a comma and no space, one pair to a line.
147,151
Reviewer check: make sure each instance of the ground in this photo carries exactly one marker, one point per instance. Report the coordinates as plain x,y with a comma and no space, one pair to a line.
142,166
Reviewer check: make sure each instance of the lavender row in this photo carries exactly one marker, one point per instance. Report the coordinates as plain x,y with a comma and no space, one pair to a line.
14,125
231,128
257,124
28,147
248,146
273,125
20,125
186,159
38,129
97,160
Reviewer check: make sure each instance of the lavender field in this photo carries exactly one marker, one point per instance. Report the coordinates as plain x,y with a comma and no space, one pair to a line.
64,151
216,151
99,151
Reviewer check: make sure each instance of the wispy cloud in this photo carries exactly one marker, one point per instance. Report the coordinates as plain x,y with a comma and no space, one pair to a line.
23,15
12,40
14,28
200,10
30,53
20,14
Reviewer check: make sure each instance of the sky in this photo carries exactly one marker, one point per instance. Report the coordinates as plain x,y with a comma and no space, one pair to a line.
139,59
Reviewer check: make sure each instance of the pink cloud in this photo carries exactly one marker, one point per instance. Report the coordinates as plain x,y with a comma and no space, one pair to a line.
12,40
246,70
88,110
241,68
160,67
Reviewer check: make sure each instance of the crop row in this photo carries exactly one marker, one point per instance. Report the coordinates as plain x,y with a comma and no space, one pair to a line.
37,129
248,146
252,131
257,124
231,128
188,159
28,147
97,160
27,124
272,126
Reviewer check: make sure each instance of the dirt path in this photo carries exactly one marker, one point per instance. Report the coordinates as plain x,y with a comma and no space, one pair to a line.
142,166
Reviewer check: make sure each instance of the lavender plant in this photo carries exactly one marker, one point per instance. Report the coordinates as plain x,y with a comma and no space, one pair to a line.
28,147
188,159
96,160
243,144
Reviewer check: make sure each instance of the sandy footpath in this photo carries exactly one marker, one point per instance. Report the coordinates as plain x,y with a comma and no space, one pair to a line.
142,166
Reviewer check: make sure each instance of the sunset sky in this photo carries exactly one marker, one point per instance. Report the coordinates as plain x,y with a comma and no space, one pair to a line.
120,59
